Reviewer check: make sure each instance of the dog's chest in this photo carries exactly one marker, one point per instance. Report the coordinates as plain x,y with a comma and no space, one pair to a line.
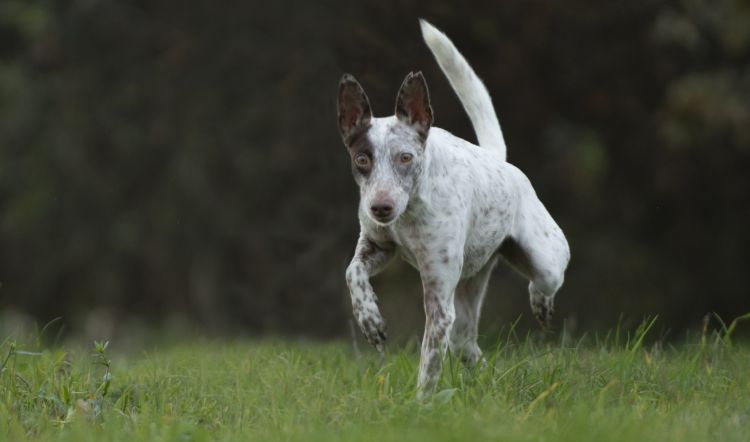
466,211
474,236
476,251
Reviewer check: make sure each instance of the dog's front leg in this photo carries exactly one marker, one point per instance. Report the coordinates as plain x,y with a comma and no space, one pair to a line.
439,279
369,259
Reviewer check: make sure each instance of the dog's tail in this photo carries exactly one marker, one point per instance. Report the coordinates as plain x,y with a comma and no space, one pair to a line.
468,87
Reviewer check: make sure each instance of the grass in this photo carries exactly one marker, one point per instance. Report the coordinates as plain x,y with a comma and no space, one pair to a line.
609,388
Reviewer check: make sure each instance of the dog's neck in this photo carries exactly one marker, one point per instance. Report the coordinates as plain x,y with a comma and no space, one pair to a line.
420,197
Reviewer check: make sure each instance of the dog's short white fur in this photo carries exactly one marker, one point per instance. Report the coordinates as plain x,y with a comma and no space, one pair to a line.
448,207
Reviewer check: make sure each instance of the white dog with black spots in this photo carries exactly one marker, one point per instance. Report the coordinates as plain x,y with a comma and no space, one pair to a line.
448,207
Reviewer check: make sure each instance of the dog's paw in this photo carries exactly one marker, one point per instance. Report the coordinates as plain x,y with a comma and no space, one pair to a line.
373,327
543,308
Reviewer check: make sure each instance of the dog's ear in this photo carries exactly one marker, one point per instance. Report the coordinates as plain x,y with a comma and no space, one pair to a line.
353,108
413,104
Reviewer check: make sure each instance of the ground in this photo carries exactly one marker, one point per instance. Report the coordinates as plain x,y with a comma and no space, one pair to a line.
618,386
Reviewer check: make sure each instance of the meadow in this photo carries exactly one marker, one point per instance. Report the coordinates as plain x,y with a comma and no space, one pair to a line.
622,385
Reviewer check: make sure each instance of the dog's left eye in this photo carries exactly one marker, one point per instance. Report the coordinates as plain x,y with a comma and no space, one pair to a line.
406,158
362,161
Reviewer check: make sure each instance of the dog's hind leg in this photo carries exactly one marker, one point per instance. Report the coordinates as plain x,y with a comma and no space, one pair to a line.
468,301
538,250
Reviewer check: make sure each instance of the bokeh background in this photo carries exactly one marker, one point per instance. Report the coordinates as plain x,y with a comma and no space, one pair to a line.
171,162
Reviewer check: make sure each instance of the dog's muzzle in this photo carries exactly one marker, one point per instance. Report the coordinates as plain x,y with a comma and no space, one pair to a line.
382,211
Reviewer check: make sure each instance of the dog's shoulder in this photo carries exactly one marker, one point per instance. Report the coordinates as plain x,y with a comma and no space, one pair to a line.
453,158
450,148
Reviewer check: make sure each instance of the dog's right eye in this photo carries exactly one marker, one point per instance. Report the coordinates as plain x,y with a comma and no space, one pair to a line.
362,161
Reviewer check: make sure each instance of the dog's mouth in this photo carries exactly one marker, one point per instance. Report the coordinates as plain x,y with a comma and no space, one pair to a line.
383,220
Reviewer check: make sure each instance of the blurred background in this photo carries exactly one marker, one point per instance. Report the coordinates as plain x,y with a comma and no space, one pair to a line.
169,162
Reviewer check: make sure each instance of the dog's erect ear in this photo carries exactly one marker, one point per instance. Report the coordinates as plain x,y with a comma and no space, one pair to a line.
353,108
413,104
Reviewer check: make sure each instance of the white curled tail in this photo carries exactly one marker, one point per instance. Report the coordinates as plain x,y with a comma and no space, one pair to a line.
469,88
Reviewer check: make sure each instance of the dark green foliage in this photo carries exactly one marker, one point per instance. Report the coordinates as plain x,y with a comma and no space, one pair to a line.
165,157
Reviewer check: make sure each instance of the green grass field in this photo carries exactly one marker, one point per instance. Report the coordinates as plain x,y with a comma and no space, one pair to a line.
614,387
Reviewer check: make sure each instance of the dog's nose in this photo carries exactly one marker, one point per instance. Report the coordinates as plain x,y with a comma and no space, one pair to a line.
382,209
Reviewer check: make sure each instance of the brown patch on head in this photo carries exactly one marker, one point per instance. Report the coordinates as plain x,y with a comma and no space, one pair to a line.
359,144
354,112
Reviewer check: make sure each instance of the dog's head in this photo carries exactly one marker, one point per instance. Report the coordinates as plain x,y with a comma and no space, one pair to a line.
387,153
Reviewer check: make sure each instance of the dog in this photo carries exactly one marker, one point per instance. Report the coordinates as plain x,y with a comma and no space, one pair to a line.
448,207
